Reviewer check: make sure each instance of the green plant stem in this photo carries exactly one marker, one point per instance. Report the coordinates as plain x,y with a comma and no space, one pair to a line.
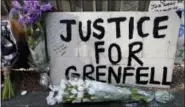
9,88
3,93
8,91
41,28
12,89
5,90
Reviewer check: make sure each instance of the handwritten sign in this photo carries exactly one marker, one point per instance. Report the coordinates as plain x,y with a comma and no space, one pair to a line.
178,5
166,5
132,48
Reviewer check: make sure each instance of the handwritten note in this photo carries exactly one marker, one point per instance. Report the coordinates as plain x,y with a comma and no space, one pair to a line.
164,5
174,5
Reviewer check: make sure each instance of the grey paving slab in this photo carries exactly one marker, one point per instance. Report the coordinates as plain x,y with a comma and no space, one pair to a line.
37,99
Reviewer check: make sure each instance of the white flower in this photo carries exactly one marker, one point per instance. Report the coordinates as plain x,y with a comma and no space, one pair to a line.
50,100
93,98
76,101
85,100
54,88
74,91
80,95
51,94
80,82
71,96
61,92
87,83
80,88
73,83
62,84
59,98
106,97
143,93
91,91
51,87
75,79
37,29
125,91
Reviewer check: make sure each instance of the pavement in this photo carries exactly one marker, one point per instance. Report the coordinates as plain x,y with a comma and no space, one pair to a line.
37,99
36,96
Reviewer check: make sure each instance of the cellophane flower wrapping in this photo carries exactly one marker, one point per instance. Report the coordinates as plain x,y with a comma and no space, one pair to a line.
77,90
37,47
29,13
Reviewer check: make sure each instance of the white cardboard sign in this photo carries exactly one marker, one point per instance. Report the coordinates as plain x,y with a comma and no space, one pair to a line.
121,48
173,5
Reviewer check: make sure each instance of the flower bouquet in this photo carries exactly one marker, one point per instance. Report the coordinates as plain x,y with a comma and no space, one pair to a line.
29,13
82,91
9,55
77,91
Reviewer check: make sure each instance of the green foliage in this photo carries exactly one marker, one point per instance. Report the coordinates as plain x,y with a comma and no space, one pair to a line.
8,91
135,96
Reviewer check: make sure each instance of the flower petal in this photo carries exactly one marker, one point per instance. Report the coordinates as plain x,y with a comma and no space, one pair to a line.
16,4
91,91
46,7
74,91
80,95
59,98
81,88
14,10
62,84
51,101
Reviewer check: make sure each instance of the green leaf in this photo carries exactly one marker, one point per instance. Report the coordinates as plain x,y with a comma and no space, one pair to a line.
137,97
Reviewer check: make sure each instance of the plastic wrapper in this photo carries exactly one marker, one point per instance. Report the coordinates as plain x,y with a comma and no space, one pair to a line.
78,91
30,24
45,80
37,47
163,96
81,91
139,95
9,51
